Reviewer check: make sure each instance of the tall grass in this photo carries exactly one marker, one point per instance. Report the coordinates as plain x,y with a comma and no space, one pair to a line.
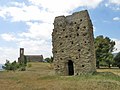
40,76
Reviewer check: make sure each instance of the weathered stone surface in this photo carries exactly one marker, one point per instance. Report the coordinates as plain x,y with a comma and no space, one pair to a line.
29,58
73,44
34,58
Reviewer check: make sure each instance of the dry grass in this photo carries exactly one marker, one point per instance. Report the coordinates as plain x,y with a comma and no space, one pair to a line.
41,77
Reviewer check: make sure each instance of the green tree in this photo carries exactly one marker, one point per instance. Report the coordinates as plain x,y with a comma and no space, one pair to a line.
10,66
7,65
117,60
14,66
104,47
109,59
49,60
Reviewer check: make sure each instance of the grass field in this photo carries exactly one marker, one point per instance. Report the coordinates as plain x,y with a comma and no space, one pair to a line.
41,76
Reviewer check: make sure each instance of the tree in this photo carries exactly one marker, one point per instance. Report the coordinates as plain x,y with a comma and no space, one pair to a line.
14,66
10,66
7,65
109,59
117,60
49,60
104,47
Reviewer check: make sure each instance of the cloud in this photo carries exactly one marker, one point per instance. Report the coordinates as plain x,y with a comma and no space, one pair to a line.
116,19
9,53
38,15
65,6
43,47
94,28
32,47
25,13
43,10
117,2
38,30
7,37
17,4
117,45
36,46
113,4
106,4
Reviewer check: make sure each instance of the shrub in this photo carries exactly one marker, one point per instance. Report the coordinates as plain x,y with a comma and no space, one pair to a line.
23,68
49,60
14,66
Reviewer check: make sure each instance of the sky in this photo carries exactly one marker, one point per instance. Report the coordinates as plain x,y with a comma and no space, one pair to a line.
28,24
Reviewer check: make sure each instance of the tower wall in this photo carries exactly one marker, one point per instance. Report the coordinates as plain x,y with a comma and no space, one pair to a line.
21,51
73,40
21,59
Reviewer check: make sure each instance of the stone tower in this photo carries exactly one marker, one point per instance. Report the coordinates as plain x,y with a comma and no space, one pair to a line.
21,51
21,59
73,44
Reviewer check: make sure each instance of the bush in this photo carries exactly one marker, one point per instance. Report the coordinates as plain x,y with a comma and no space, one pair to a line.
11,66
14,66
23,68
7,65
49,60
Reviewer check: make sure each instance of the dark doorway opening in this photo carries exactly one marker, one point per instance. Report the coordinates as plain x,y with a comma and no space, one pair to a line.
70,68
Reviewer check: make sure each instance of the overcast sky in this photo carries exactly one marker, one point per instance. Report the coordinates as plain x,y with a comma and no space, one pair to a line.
29,23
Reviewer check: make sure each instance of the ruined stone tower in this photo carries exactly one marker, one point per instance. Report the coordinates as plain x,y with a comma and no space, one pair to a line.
73,44
21,59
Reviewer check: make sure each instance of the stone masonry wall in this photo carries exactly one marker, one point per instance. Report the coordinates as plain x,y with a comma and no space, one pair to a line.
73,41
29,58
34,58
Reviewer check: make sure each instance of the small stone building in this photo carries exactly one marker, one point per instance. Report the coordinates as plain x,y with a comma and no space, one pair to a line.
73,44
29,58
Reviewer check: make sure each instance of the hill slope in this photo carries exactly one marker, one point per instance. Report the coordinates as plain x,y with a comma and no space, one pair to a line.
41,77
